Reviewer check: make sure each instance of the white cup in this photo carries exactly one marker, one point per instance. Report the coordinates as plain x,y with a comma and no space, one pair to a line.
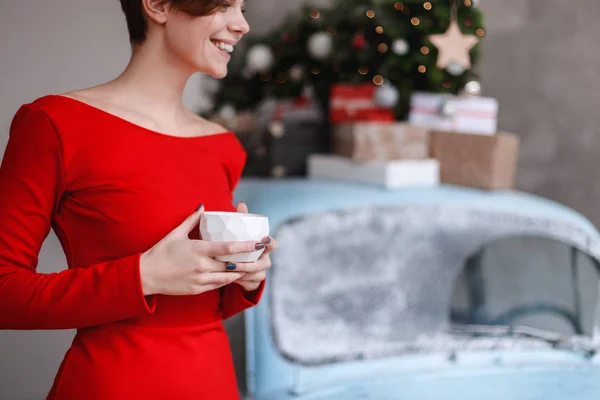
222,226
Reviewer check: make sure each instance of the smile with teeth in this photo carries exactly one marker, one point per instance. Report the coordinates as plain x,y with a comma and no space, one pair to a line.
227,48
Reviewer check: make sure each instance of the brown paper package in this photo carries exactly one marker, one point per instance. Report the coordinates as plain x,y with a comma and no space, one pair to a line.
379,141
479,161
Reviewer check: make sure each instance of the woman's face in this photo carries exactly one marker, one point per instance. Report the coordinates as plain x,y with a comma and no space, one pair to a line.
205,43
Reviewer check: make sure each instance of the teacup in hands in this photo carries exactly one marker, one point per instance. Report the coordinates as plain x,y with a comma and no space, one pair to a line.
221,226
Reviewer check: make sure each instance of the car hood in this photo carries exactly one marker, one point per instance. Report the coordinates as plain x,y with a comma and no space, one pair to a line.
578,382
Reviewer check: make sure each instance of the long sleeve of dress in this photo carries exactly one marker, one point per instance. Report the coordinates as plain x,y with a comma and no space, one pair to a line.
234,299
32,183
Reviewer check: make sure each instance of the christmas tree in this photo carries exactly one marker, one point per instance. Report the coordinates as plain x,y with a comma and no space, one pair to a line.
401,46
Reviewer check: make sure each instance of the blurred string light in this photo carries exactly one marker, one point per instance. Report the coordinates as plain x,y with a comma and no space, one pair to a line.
378,80
398,46
382,47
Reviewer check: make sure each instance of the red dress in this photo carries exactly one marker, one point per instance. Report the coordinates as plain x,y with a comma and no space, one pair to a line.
110,190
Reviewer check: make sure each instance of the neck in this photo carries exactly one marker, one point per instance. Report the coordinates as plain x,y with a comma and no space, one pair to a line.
152,80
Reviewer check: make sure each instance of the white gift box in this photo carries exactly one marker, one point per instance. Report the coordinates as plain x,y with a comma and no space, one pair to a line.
464,114
389,174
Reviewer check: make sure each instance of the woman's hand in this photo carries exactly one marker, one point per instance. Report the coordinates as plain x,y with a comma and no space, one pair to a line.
179,266
252,280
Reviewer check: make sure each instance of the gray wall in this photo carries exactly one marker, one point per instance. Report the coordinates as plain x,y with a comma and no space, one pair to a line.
541,62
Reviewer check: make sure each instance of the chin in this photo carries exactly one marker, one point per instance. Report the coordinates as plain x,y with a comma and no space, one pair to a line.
218,73
214,71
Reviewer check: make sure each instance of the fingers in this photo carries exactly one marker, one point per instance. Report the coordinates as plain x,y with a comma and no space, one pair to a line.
242,207
218,279
209,265
270,245
254,277
215,249
251,282
262,264
183,230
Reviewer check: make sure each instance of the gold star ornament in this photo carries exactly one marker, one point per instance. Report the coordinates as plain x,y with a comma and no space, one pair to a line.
453,47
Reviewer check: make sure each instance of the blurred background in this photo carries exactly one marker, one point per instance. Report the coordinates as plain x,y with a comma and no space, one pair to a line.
534,74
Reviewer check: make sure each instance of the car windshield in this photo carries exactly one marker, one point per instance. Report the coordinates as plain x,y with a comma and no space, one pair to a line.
528,288
376,282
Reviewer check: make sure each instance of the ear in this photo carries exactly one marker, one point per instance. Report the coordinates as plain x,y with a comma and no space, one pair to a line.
156,10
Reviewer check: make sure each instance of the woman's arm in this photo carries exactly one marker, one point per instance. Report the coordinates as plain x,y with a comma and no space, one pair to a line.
32,182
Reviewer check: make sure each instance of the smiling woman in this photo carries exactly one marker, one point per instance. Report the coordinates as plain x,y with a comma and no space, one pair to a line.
117,171
185,31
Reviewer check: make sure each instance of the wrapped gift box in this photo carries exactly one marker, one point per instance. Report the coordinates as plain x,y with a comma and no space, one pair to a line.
388,174
466,114
486,162
287,132
370,141
352,103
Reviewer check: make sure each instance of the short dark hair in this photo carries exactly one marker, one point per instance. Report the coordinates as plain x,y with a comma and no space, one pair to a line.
137,25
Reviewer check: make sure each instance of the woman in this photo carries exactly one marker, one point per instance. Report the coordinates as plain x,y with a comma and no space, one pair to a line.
117,171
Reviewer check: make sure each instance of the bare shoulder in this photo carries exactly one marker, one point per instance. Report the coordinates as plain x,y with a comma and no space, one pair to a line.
204,126
78,94
50,106
96,96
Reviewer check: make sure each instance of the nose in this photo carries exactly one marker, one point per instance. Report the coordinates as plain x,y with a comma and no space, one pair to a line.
239,25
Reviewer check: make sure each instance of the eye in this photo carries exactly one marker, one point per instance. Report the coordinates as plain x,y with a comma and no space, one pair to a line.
224,5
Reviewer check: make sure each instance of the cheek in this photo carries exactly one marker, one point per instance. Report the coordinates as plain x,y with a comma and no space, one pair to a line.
188,41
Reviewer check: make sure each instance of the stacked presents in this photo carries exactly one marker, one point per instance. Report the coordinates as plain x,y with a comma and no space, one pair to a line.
280,135
447,139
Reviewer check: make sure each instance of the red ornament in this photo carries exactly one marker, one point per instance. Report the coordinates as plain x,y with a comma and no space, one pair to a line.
359,42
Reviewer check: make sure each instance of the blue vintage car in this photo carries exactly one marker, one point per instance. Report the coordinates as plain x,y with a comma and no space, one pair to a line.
422,294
